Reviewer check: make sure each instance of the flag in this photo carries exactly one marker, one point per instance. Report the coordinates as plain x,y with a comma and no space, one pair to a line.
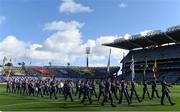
155,70
10,60
109,60
132,68
50,63
144,71
15,59
30,63
4,60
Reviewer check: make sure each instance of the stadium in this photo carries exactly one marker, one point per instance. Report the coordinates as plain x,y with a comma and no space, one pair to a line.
90,55
162,47
146,48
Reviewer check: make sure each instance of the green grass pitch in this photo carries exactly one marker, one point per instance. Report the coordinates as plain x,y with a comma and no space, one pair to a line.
14,102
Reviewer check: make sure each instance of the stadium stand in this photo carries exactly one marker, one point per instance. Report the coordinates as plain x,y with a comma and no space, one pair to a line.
164,47
82,72
62,71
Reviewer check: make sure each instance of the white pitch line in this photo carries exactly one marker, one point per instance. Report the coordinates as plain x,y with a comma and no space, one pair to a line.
20,104
26,103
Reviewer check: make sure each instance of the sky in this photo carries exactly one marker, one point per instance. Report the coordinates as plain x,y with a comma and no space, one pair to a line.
40,31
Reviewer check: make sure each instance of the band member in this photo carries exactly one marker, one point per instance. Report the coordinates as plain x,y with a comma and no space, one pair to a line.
13,86
154,89
57,87
124,92
114,89
68,90
165,92
133,90
8,90
40,88
81,89
18,86
53,89
145,89
86,92
24,87
101,89
108,93
77,87
31,87
46,87
61,86
93,88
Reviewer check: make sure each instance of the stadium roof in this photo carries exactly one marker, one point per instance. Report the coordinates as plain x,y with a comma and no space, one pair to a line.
148,39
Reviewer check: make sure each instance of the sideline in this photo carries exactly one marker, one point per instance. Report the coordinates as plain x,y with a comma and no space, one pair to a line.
26,103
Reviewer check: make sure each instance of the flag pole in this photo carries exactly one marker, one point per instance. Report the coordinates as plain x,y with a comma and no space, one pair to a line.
109,61
4,62
132,68
123,68
145,67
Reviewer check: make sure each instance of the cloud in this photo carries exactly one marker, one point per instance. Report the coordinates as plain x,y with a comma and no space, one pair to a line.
127,36
66,37
122,5
65,44
70,6
12,46
61,25
144,33
2,19
100,50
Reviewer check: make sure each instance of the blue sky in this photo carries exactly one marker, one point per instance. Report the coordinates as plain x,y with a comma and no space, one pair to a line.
26,21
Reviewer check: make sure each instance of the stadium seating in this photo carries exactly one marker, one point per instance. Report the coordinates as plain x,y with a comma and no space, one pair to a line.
66,71
167,58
